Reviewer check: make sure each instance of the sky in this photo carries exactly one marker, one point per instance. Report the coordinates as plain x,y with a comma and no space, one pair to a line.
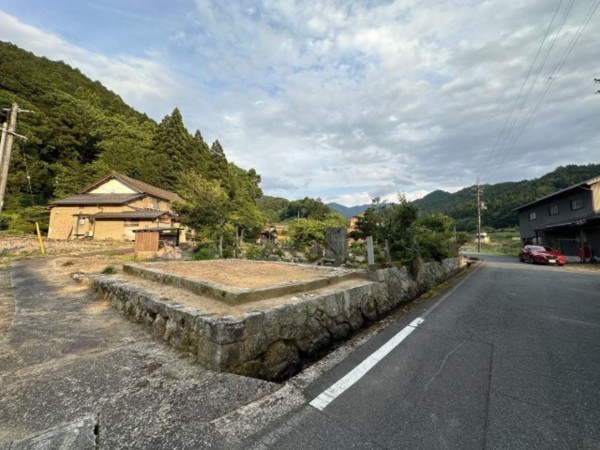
347,100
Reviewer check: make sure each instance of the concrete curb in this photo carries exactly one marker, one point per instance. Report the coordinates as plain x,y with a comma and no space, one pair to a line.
81,434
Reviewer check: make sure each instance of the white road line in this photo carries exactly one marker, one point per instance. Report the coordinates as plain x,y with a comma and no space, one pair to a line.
327,396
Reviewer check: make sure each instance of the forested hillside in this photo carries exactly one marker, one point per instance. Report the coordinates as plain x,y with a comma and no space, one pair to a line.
79,130
501,199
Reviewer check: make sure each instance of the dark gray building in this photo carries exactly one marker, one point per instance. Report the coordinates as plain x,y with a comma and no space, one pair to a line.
568,220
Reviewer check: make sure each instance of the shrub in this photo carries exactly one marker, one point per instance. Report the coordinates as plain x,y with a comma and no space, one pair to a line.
253,252
204,252
25,220
307,232
109,270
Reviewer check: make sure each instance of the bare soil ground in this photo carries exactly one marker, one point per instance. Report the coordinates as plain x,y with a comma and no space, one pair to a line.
233,273
241,273
93,256
15,247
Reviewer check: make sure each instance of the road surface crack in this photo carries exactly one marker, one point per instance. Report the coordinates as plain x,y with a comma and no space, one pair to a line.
441,368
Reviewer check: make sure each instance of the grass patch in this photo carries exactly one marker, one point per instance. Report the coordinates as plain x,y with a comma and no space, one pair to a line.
511,249
109,270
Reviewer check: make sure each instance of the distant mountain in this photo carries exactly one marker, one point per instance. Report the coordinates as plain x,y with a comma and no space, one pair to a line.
501,199
348,211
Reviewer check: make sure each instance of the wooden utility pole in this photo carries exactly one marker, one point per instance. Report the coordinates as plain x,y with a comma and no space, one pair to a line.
479,204
2,140
6,143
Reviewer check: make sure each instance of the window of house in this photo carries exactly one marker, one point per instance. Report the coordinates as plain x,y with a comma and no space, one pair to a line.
553,210
576,203
532,215
132,223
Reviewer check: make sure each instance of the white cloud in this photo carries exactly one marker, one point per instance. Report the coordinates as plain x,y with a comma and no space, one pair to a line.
349,100
141,81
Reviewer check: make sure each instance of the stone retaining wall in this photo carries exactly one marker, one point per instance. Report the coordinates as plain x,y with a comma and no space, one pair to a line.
272,343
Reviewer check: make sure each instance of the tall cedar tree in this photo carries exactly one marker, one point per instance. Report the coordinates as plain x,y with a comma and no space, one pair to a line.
174,144
201,153
218,167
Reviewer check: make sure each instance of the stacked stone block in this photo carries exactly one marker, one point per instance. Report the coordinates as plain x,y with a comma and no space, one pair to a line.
273,343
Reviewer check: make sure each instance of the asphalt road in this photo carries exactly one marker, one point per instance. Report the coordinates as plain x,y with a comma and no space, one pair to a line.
510,359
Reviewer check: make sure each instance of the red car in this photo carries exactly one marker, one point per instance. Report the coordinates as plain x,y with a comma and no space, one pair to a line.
540,254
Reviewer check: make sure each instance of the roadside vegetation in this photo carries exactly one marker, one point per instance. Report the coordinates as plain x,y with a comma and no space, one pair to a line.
262,228
403,235
501,242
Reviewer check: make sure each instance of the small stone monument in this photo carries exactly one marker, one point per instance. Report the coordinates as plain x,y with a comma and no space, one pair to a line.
336,245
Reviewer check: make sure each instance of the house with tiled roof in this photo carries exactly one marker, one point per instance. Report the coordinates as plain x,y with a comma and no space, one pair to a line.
112,208
568,220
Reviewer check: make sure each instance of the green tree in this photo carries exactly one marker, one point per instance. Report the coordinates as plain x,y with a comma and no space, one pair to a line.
200,152
218,166
207,205
408,236
435,236
306,232
376,221
272,207
173,144
403,241
246,216
307,208
28,217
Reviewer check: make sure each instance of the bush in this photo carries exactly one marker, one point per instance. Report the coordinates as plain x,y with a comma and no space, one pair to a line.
307,232
358,249
253,252
204,252
109,270
25,220
261,252
434,245
5,221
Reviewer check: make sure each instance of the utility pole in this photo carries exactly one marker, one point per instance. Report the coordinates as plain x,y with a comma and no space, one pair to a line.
2,140
6,143
480,206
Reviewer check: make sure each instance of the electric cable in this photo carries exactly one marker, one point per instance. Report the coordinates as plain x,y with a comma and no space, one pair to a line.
551,79
493,165
27,172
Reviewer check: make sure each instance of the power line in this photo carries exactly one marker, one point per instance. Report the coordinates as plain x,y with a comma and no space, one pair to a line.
489,162
586,20
512,118
27,172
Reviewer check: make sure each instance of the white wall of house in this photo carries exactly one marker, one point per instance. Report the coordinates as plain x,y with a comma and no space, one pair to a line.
113,187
